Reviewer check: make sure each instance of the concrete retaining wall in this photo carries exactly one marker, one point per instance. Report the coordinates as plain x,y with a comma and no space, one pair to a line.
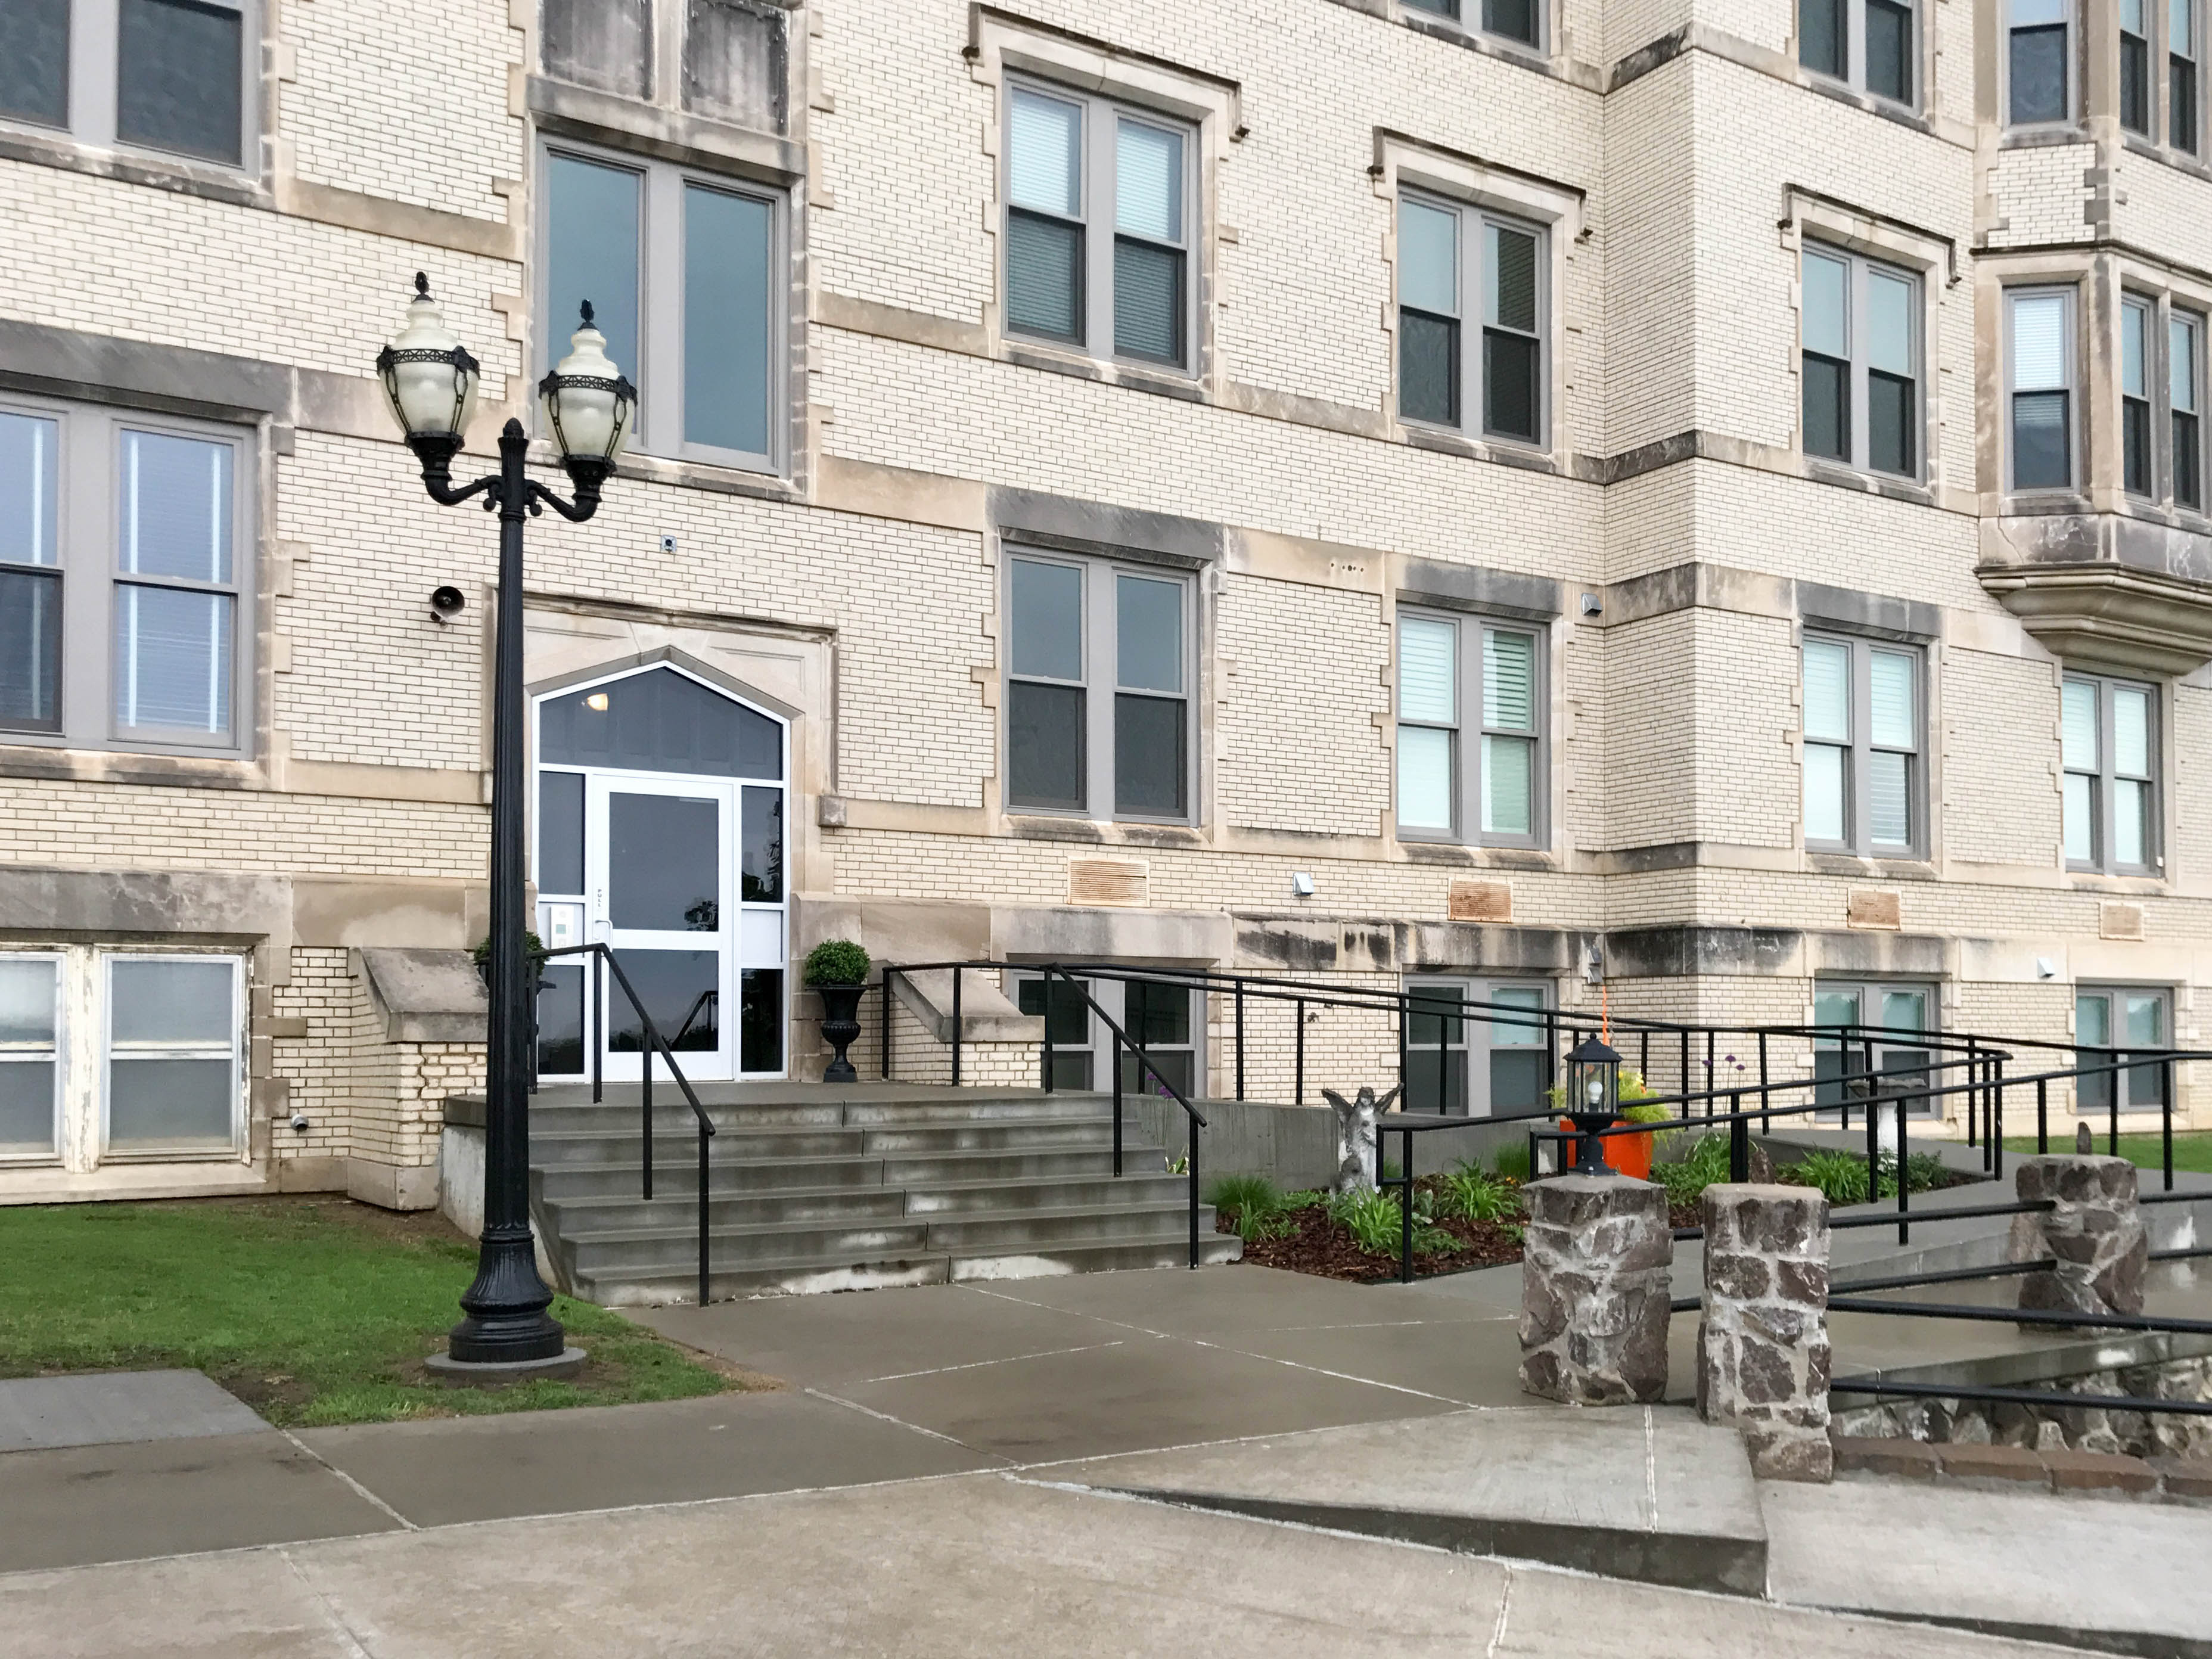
1295,1146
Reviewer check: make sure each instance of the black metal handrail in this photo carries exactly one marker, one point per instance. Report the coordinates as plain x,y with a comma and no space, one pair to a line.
600,954
1194,1118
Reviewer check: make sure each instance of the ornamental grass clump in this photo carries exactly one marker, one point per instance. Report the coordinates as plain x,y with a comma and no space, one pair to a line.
1255,1207
1375,1224
1470,1193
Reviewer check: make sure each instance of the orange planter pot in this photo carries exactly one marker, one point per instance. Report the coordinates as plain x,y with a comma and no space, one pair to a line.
1627,1154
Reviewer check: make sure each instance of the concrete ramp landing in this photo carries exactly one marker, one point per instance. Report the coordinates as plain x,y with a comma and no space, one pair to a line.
1648,1494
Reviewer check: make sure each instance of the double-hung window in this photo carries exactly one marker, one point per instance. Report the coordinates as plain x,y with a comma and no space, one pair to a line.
1861,362
1470,731
1098,700
2111,1023
1865,785
30,1056
2039,60
2144,30
2109,735
1510,19
2039,378
1869,44
122,573
2134,66
1457,263
167,75
683,271
1098,226
2162,370
2181,117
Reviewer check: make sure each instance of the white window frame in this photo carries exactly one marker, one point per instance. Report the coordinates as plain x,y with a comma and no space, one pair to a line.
233,1051
1859,370
1855,52
2107,775
1860,750
92,93
1101,682
2070,360
1455,11
57,1052
1102,113
1471,636
1473,409
2070,23
87,545
658,376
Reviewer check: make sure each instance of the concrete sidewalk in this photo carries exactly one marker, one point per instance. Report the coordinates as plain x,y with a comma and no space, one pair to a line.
943,1569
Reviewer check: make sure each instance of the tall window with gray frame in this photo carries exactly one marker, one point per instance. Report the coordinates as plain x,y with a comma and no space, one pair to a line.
1458,262
1865,785
1470,730
1861,362
2109,736
1097,238
1867,44
2039,378
162,75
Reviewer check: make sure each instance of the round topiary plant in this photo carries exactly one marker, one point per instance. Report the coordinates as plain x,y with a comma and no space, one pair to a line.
837,962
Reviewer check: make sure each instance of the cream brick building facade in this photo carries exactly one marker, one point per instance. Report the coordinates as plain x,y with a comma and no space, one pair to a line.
1666,539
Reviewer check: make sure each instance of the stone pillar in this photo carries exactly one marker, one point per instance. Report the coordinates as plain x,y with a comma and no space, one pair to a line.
1593,1289
2093,1230
1763,1342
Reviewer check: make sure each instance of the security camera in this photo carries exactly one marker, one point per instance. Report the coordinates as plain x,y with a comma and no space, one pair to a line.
300,1122
446,604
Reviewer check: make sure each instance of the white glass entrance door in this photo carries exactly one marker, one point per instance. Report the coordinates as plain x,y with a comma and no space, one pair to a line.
658,871
660,835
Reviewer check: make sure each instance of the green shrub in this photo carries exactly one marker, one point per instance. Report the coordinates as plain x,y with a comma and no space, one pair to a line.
1705,1162
531,943
1472,1194
1926,1171
837,962
1373,1220
1512,1161
1255,1206
1841,1177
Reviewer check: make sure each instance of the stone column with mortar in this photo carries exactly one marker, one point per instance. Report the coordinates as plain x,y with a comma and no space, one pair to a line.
1763,1342
1593,1291
2092,1232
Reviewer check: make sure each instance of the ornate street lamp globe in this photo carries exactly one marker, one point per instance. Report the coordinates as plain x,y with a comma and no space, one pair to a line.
429,378
589,405
1593,1096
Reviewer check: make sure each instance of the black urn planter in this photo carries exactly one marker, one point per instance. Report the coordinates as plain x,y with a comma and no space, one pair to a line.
841,1025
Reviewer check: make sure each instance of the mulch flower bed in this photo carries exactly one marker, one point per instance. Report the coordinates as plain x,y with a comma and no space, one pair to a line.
1315,1244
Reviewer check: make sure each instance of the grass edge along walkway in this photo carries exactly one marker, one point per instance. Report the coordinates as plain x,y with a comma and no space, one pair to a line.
2192,1148
313,1308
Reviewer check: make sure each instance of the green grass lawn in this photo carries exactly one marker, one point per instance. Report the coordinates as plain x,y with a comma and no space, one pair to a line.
2191,1151
313,1309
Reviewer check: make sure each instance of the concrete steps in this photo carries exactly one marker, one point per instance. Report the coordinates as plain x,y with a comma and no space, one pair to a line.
812,1189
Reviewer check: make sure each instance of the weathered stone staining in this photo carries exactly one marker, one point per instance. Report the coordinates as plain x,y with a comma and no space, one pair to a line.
1763,1358
1594,1283
2093,1234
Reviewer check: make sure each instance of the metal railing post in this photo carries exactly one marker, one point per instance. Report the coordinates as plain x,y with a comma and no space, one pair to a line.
958,1033
2166,1120
1115,1039
645,1096
1298,1092
1904,1181
2114,1080
1873,1131
1240,1039
1049,1082
1765,1098
1190,1127
1404,1205
1739,1140
1710,1099
1973,1079
885,1019
1997,1117
1405,1015
599,1032
702,1216
2042,1115
1685,1035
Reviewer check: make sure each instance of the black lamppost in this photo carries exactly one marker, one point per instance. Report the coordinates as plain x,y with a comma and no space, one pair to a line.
430,383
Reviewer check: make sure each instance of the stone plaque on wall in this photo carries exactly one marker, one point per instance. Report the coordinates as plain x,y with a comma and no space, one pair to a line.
1480,901
1108,881
1873,907
2116,920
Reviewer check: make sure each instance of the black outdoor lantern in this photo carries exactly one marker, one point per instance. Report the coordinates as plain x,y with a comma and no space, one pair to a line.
430,383
1593,1097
